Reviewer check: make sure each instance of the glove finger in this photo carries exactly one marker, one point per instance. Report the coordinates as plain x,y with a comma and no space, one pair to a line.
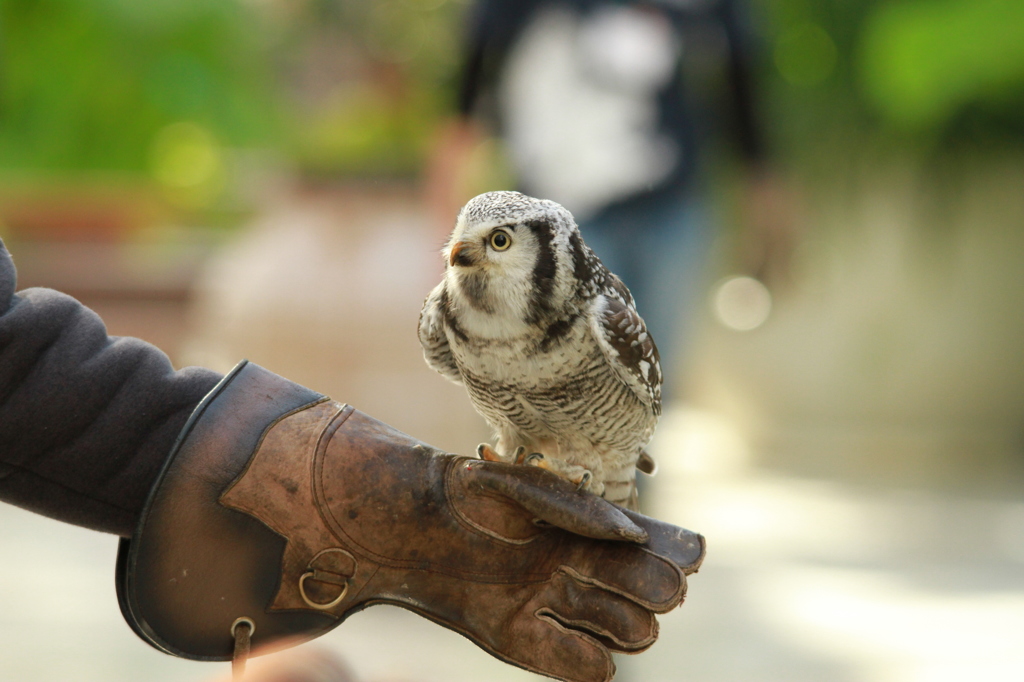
538,642
554,500
618,623
642,576
682,547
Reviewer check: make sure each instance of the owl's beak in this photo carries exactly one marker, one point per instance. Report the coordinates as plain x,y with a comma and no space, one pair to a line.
458,255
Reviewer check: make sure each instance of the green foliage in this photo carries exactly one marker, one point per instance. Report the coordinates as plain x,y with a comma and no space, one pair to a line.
364,132
89,84
851,77
923,62
161,88
380,119
805,54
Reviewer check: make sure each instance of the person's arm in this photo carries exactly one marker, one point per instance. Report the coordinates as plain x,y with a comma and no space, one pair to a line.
445,174
86,420
491,26
769,204
743,101
444,177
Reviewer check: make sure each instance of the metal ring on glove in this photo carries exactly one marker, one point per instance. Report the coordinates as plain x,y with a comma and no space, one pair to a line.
243,621
317,605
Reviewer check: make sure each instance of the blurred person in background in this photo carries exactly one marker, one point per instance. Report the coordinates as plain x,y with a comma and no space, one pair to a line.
604,107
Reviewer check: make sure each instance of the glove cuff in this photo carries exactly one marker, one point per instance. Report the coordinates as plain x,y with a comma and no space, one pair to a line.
193,566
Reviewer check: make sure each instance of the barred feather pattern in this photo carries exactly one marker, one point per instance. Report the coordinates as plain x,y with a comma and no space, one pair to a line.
547,341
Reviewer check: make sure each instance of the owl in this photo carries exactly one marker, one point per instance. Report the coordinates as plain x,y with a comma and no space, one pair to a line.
548,344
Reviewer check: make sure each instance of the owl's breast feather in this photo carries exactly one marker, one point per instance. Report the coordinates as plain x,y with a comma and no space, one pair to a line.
525,360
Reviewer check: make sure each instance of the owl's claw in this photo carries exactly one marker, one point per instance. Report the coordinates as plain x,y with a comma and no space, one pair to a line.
646,464
584,481
487,453
534,459
517,454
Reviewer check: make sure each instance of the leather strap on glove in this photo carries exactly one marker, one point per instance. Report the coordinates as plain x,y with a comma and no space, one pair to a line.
286,512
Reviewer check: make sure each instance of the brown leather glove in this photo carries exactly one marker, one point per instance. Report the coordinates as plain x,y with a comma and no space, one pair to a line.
293,511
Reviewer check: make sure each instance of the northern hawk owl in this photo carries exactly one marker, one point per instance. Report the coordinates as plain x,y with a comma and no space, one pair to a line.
547,342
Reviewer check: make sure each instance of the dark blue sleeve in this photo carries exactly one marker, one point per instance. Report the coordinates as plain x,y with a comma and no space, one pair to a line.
86,419
491,28
742,80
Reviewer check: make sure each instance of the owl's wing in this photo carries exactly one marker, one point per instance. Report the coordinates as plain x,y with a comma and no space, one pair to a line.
436,350
630,350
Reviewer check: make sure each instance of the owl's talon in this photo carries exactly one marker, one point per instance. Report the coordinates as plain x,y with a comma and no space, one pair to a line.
646,464
487,453
534,459
584,481
517,454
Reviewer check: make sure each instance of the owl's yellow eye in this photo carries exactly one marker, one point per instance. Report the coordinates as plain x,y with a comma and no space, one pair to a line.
500,240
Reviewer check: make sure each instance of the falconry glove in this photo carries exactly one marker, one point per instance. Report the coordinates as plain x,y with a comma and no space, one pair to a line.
280,513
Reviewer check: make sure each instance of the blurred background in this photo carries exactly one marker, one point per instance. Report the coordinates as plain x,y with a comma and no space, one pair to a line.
273,180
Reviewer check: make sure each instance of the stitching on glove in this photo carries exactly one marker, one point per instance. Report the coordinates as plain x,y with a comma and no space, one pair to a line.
468,523
657,607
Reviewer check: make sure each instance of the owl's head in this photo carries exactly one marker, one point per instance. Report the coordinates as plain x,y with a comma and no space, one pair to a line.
513,254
